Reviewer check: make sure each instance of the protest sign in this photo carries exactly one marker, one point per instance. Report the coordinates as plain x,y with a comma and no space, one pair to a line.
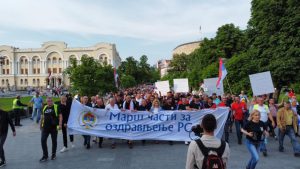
181,85
261,83
141,125
163,87
211,86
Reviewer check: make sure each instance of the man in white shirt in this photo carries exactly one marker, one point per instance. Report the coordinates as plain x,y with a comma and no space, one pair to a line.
194,156
111,105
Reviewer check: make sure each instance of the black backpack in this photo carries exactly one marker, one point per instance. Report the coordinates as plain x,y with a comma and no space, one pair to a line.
212,161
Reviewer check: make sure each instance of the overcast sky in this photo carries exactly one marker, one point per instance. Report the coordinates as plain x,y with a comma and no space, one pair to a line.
137,27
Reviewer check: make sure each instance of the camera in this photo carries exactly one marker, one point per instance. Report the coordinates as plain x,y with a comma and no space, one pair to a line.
198,130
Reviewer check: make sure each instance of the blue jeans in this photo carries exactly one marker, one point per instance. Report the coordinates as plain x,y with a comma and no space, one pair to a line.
263,147
238,125
291,133
253,149
36,112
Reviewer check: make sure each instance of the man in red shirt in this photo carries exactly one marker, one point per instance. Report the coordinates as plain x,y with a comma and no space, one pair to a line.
238,110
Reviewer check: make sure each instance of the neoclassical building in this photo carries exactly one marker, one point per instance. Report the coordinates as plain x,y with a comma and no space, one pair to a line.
42,67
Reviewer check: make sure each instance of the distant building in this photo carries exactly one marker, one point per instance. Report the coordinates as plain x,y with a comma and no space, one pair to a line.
43,67
163,67
186,48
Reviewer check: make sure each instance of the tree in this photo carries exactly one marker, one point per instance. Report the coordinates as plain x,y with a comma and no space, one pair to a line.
90,77
127,81
140,71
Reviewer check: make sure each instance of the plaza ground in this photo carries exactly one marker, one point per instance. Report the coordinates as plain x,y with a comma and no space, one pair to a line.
24,152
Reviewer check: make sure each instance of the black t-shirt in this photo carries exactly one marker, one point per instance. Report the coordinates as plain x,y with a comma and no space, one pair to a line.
64,110
195,105
183,106
257,129
100,107
50,119
168,107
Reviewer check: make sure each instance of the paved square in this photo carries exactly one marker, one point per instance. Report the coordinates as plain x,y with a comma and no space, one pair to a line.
24,152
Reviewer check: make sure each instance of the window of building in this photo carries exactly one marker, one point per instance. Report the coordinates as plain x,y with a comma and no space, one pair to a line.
38,81
38,70
33,81
7,62
21,81
33,61
49,61
49,70
2,81
59,70
26,82
7,71
59,60
3,71
26,71
26,61
54,60
54,70
22,71
34,71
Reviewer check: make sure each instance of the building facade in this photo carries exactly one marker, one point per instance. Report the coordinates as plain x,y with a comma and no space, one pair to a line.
186,48
43,67
163,67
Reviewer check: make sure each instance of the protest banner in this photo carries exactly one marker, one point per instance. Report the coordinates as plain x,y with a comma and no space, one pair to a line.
163,87
261,83
210,86
141,125
181,85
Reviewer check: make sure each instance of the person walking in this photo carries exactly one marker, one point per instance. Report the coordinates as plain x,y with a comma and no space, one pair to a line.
37,102
254,129
51,121
17,109
287,122
64,109
238,111
5,120
264,116
87,138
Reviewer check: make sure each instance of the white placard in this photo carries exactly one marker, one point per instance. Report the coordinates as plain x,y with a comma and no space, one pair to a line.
181,85
163,87
211,86
261,83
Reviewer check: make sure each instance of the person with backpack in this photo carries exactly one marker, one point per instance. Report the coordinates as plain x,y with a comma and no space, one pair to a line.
254,129
208,152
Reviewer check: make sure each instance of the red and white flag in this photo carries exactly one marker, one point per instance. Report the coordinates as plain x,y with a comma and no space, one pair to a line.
222,73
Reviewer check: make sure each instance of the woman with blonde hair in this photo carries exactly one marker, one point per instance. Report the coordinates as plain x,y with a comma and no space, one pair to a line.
254,129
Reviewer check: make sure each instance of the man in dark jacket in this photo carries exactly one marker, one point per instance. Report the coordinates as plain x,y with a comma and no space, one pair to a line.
4,121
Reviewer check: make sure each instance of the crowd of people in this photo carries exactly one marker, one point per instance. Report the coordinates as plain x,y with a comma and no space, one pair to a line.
254,118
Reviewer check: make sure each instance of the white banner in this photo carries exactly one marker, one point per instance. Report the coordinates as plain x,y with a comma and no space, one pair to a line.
181,85
163,87
211,86
261,83
141,125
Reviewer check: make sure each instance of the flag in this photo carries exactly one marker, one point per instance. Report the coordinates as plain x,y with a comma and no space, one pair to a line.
222,73
116,77
50,74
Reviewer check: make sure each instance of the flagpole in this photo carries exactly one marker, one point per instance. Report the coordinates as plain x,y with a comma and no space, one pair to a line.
229,86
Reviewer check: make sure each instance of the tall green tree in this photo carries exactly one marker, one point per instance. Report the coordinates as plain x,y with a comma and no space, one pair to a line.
90,77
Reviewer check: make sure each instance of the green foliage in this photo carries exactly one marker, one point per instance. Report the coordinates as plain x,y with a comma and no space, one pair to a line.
140,71
90,77
127,81
270,43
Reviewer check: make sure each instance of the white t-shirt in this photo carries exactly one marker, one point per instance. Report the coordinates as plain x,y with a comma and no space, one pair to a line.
263,112
109,107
